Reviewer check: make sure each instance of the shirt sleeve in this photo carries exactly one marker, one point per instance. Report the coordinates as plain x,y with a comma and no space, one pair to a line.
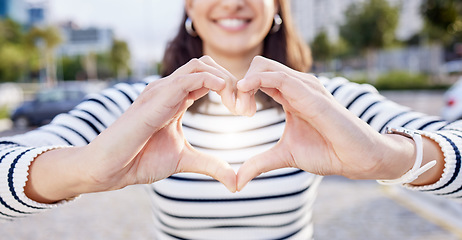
450,183
365,101
14,166
75,128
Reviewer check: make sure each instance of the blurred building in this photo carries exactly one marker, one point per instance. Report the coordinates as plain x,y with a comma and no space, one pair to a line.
14,9
82,41
314,16
27,14
37,13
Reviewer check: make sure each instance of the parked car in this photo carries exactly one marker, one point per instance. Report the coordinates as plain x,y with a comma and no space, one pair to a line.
46,105
452,109
452,67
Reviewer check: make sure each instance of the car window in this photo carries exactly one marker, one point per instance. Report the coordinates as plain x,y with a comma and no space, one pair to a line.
74,95
57,95
50,96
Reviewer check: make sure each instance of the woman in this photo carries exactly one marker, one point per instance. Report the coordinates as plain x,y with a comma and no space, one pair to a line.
133,134
232,33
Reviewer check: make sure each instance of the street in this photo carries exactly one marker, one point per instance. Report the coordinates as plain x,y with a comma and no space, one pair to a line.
345,209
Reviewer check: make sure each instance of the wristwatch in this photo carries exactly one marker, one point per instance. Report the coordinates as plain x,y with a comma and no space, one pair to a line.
416,170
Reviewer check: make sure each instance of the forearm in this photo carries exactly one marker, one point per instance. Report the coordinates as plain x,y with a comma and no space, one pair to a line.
56,175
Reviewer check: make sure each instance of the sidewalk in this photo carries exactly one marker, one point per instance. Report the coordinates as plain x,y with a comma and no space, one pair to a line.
362,210
345,210
5,124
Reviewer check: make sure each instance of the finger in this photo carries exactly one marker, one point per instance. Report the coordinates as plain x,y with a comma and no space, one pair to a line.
179,88
197,162
292,89
183,84
197,65
197,94
275,94
245,103
228,94
199,80
207,64
193,96
245,99
192,87
193,66
268,82
157,105
262,64
209,61
264,162
253,82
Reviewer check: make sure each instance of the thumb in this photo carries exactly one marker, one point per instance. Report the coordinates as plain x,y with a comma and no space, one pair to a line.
197,162
261,163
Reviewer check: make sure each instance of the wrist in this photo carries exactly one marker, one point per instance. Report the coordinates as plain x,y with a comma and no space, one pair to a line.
421,165
398,157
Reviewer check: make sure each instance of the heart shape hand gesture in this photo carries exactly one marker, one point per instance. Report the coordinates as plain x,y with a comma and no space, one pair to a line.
320,136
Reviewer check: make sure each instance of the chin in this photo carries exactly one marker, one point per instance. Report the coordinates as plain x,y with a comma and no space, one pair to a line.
237,47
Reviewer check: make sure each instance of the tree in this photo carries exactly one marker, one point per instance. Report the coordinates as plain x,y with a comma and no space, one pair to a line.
322,51
11,32
443,20
13,56
104,66
370,26
321,47
120,59
47,39
72,68
13,62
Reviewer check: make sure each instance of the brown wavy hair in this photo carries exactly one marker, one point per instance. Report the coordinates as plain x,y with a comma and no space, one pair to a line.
285,46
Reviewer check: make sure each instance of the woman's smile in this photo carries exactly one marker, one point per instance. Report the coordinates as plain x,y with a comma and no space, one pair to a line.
232,24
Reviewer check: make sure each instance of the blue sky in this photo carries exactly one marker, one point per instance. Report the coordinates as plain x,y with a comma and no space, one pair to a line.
146,24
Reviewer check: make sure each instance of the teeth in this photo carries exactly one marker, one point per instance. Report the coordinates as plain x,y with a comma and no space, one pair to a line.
231,23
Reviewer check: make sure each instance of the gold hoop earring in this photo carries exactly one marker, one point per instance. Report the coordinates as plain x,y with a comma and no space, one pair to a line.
277,22
188,25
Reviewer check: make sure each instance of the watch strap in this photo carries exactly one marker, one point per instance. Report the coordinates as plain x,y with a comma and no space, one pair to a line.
417,169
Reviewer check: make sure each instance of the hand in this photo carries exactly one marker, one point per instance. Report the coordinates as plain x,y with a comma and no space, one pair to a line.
321,136
144,145
153,146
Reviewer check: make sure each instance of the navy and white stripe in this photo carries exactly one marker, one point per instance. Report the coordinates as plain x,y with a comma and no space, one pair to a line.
276,205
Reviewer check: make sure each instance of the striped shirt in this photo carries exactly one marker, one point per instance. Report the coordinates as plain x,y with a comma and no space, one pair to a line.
275,205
